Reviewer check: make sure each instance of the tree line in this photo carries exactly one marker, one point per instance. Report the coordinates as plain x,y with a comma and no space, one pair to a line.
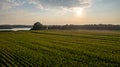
39,26
87,27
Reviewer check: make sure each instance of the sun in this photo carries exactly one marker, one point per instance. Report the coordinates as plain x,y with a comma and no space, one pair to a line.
79,11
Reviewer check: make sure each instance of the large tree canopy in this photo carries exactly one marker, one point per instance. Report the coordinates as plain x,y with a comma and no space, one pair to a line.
37,26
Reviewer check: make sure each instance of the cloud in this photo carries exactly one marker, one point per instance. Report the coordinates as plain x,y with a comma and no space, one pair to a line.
17,17
7,4
61,3
61,7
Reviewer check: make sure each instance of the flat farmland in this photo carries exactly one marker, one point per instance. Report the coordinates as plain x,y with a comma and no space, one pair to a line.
60,48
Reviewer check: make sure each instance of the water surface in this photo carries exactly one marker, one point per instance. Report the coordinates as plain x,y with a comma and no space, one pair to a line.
15,29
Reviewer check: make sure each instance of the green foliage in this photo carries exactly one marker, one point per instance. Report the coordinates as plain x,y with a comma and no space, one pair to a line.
38,26
60,48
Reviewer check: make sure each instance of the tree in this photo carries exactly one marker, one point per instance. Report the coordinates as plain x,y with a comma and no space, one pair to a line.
37,26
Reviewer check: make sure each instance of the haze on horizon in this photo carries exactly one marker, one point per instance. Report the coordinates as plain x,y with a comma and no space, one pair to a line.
59,12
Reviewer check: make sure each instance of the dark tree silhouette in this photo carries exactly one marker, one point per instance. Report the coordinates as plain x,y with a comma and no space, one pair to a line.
37,26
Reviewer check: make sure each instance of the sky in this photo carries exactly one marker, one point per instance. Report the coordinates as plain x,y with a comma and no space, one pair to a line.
59,12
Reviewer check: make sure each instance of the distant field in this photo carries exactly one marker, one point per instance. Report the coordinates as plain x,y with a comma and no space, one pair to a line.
60,48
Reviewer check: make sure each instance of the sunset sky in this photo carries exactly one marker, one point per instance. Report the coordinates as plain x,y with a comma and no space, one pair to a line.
54,12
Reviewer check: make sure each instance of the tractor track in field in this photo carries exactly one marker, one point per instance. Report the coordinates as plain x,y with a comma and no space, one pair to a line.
58,48
63,49
10,59
81,36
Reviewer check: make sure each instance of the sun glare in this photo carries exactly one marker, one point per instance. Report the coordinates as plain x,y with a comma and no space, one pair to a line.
79,11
